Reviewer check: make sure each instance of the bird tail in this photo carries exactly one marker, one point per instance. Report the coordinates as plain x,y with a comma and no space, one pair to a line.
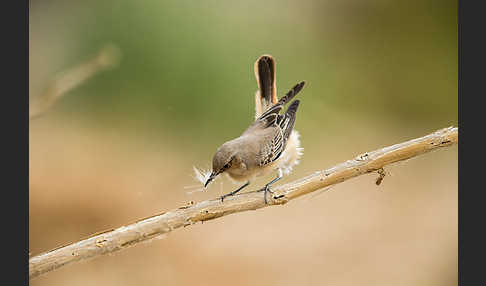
266,95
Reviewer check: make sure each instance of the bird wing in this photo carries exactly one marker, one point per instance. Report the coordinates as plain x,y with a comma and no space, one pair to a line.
269,117
273,129
279,132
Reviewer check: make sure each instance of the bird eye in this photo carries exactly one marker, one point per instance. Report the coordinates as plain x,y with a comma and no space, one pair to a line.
227,166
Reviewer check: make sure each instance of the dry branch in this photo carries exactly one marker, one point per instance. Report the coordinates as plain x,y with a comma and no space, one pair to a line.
107,57
148,228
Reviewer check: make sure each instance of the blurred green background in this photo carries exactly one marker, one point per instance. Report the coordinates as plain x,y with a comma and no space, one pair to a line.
122,145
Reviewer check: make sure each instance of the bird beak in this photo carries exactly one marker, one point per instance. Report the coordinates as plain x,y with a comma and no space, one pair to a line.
211,177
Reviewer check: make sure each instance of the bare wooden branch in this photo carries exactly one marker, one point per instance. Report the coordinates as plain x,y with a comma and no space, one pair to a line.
107,57
148,228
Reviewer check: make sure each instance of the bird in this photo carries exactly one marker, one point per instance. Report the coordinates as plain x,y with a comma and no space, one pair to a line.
270,143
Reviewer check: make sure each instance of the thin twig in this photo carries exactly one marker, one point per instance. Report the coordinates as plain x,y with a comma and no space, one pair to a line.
148,228
107,57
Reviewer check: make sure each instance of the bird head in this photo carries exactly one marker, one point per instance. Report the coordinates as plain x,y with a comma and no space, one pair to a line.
223,160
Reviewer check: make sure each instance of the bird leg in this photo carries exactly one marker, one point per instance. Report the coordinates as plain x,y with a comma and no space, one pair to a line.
235,191
267,186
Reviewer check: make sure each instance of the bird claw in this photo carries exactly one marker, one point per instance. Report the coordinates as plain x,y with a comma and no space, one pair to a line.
235,191
266,189
224,196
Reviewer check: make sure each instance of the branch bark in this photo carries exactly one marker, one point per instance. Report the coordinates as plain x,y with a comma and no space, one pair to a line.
148,228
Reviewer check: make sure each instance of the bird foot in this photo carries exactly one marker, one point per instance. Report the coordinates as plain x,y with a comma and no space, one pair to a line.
224,196
267,189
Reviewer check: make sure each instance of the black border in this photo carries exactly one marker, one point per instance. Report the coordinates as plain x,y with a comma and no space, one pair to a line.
471,78
15,140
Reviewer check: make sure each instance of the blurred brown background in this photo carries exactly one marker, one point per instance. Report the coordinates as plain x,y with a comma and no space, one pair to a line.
121,146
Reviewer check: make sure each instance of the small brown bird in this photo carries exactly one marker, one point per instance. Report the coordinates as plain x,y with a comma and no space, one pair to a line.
270,142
